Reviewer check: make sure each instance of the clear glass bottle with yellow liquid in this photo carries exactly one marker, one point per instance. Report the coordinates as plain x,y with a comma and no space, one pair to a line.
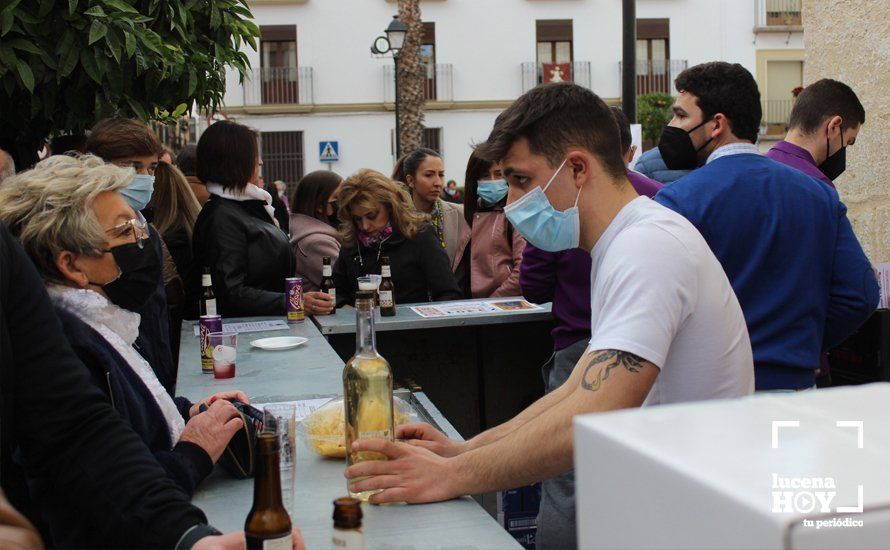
367,390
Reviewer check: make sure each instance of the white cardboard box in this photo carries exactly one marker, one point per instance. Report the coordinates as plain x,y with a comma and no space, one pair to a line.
703,475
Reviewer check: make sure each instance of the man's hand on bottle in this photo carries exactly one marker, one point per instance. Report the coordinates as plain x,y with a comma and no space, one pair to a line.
410,474
423,435
235,541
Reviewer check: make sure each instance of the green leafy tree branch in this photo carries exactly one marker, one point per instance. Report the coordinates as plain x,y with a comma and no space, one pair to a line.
65,64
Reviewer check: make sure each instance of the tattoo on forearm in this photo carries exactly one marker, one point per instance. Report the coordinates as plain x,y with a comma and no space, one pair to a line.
612,359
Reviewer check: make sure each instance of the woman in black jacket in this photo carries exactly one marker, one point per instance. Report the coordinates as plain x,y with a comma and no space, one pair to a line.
100,269
378,219
236,236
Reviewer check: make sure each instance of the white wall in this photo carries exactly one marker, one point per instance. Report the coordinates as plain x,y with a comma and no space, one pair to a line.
486,41
365,137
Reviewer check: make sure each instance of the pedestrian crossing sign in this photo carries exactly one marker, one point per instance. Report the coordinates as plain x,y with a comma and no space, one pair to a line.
328,151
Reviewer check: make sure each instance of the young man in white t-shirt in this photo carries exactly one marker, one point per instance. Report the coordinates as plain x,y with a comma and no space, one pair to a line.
666,326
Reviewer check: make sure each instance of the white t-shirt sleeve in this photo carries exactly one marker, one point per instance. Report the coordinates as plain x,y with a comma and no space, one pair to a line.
645,288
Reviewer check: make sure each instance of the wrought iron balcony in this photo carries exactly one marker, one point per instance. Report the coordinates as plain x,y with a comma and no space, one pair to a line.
778,15
438,85
279,85
657,75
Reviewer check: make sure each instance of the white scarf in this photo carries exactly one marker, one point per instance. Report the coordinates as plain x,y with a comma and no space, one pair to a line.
250,193
120,328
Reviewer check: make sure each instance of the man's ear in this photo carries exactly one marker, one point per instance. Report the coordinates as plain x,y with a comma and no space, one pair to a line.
581,164
629,156
721,126
833,126
66,263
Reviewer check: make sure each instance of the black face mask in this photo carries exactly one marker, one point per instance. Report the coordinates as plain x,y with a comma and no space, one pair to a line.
834,165
677,150
140,274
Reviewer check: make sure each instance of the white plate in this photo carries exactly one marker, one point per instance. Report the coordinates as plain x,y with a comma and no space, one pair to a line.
279,343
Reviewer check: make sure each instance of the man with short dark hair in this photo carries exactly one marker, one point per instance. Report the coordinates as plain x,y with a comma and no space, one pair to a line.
786,244
563,278
665,325
825,120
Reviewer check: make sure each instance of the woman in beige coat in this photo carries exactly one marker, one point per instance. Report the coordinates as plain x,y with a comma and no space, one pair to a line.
423,172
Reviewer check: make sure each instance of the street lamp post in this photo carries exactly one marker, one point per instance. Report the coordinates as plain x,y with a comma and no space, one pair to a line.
395,60
393,42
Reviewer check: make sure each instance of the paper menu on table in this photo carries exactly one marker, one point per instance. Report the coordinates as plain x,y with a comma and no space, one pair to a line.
883,273
513,305
451,309
454,308
251,326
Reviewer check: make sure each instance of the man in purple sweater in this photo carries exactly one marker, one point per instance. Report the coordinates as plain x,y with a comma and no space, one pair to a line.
563,278
826,119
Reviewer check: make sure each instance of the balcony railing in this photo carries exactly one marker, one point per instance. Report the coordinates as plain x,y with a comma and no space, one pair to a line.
776,113
533,74
279,85
657,75
778,13
437,86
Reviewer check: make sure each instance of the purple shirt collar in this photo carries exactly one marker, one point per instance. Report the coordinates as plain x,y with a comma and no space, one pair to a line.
797,157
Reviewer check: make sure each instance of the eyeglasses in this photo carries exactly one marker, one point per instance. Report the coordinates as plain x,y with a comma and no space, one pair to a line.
137,229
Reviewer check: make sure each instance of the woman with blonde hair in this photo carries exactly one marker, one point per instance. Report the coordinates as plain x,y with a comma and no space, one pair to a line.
378,219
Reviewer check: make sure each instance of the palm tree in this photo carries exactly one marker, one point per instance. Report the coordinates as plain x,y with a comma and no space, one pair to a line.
411,78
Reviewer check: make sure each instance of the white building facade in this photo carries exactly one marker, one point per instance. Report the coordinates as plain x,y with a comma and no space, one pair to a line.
314,79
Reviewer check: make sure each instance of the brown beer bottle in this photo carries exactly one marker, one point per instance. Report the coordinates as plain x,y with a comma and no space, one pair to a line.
268,527
327,278
387,290
347,525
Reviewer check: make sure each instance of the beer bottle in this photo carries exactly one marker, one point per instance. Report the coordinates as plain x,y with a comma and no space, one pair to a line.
208,300
268,527
387,290
347,525
327,279
367,390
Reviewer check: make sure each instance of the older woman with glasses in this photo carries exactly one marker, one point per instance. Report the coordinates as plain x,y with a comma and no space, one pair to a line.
93,251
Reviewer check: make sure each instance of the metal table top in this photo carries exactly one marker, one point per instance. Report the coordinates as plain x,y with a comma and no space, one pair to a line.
314,370
343,320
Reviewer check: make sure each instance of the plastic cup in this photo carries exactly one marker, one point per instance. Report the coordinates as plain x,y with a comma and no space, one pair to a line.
280,418
225,353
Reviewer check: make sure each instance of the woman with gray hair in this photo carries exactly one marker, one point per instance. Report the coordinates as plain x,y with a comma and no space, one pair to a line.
92,251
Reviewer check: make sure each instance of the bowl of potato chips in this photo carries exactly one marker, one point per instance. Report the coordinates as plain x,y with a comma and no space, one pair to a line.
324,430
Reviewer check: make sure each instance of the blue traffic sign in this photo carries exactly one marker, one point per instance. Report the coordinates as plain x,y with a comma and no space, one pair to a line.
328,151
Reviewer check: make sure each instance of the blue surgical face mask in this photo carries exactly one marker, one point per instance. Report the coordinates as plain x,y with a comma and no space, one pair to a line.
492,191
138,193
541,224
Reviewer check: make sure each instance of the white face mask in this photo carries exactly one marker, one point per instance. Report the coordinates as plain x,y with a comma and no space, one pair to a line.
541,224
